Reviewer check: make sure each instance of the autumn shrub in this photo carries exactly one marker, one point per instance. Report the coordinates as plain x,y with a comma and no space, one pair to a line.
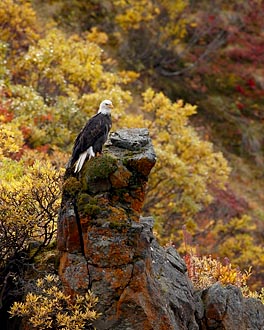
236,246
11,139
206,270
239,243
46,306
186,165
62,81
19,26
234,238
124,21
29,194
30,189
29,204
69,66
228,236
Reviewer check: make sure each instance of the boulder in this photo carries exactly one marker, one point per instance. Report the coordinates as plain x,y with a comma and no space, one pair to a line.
226,308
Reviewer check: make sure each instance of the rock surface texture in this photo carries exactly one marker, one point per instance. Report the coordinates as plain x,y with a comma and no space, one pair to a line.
107,247
225,308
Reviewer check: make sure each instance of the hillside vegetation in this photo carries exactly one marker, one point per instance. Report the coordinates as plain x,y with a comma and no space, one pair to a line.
191,73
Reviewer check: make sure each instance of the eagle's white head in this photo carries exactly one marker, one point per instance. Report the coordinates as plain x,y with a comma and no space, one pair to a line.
105,107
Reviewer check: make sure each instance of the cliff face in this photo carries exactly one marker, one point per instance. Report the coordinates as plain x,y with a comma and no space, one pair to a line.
105,246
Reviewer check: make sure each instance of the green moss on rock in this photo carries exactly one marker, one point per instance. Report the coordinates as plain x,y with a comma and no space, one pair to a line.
72,186
100,167
87,205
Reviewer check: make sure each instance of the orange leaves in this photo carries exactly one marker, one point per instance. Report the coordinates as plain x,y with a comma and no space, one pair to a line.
205,271
5,114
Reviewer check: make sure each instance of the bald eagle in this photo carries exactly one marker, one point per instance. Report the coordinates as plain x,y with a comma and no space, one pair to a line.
92,137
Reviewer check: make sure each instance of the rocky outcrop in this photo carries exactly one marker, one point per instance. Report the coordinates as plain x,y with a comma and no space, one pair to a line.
107,247
225,308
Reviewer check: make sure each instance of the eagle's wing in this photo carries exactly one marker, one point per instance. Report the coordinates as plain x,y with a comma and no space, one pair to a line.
91,132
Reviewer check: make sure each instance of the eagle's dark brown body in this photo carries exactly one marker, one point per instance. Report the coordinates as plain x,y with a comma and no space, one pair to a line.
92,137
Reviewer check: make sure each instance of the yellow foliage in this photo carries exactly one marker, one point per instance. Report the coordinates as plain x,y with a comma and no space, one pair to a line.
253,294
96,36
58,65
160,23
72,66
128,76
185,166
238,243
205,271
18,24
133,13
174,10
166,14
11,139
29,204
48,307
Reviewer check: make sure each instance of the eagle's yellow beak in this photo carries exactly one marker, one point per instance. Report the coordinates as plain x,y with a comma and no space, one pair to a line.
110,106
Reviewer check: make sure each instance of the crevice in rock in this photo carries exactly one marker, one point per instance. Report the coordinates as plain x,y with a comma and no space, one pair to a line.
131,277
78,222
227,302
79,226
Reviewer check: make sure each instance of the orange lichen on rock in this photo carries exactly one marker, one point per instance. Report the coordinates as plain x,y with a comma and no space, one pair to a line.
73,273
68,237
120,178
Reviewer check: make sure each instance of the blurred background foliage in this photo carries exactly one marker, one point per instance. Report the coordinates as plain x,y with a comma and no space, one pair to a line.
190,71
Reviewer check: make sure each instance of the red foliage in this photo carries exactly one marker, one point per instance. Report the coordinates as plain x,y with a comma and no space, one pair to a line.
251,83
240,90
26,131
44,149
43,118
241,52
226,205
5,113
211,18
240,105
17,156
189,265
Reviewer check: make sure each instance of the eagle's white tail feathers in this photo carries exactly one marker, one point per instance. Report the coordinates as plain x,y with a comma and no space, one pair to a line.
82,157
90,153
80,161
